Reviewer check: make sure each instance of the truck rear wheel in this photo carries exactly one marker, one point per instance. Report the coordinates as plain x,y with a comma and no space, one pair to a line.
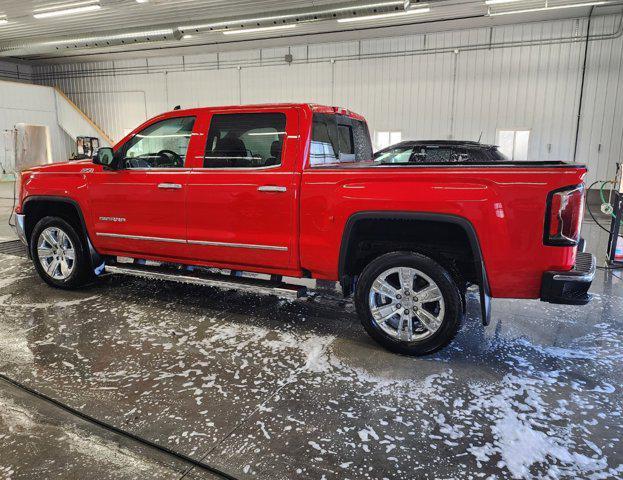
59,254
408,303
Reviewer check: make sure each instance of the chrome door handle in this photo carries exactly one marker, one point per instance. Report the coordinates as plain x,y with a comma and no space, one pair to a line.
272,188
169,186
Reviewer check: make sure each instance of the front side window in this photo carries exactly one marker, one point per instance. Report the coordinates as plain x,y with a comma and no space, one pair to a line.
161,145
245,140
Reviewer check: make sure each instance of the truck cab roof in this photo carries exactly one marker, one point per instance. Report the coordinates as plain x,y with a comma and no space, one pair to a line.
314,107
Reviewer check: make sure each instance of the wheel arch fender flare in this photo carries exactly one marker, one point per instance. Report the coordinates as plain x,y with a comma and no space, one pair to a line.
464,223
97,262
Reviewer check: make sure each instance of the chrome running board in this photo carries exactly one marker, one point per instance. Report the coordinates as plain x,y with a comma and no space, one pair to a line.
202,277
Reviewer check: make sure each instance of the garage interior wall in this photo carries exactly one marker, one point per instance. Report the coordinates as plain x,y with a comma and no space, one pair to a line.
443,85
32,105
15,72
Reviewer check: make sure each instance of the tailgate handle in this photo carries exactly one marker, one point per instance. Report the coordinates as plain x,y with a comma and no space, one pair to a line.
169,186
272,188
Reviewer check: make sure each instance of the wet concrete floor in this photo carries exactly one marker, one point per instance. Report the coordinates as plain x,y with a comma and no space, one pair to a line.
263,388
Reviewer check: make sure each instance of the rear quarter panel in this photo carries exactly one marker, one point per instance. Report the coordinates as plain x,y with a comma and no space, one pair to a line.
506,206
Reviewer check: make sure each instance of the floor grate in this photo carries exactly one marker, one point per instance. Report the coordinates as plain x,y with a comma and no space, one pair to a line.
14,247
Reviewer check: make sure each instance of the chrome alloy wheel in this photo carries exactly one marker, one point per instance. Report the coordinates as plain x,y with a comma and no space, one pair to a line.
56,253
406,304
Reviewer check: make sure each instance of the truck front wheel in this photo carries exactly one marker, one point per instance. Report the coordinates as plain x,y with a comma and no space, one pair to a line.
408,303
59,254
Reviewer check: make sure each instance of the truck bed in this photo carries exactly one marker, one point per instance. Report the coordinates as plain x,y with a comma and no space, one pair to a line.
468,164
504,202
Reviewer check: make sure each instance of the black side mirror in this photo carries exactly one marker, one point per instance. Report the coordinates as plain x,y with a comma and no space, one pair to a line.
105,156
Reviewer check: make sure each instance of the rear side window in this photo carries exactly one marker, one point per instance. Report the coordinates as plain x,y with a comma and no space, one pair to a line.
339,139
245,140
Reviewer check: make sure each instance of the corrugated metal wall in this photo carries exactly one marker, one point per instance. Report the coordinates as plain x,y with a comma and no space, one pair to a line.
15,72
444,85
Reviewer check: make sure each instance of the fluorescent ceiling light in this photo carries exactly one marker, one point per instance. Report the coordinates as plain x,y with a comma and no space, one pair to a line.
3,20
185,37
292,15
261,29
381,16
499,2
67,11
544,9
65,6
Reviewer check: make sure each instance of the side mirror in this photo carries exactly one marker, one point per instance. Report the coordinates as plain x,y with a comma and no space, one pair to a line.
105,156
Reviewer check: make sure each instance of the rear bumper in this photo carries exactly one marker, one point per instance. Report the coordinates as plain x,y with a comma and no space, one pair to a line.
20,222
570,287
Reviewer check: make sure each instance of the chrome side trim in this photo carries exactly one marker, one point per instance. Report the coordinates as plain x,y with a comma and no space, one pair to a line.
20,222
139,237
238,245
194,242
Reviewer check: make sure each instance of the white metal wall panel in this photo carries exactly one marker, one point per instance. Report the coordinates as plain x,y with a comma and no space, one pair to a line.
286,83
601,133
34,105
453,84
202,87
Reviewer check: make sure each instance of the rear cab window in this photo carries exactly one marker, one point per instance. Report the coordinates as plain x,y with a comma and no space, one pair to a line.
338,139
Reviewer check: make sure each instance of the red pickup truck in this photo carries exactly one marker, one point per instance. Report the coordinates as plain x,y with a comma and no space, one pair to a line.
292,190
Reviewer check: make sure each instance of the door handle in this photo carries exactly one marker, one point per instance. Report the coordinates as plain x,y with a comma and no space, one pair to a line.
169,186
272,188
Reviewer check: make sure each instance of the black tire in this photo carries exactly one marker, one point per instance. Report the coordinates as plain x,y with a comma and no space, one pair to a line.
449,291
81,272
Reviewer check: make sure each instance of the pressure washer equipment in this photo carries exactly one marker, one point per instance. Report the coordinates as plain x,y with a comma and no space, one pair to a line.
615,240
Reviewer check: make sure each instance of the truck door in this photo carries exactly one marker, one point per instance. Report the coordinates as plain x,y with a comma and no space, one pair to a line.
242,193
139,209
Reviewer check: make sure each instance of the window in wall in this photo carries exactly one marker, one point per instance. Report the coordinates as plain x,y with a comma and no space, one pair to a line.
385,139
514,143
160,145
245,140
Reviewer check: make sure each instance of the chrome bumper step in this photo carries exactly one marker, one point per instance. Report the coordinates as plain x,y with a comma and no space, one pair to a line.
202,277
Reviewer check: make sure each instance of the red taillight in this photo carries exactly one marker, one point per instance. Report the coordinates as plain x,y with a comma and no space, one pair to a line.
563,220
